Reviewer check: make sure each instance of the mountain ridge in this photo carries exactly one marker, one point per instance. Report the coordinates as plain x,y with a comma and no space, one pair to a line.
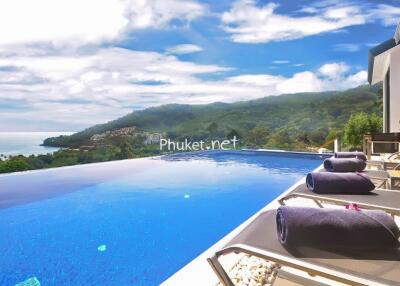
313,113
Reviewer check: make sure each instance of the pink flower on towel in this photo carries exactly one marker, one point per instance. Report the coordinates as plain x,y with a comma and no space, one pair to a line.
354,207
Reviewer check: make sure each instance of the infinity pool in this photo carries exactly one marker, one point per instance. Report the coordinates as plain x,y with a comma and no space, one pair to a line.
132,222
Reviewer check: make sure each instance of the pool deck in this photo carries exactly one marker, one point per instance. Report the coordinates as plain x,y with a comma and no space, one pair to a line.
198,271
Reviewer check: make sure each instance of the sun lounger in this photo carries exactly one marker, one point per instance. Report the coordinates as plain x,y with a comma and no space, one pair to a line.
394,156
379,177
338,228
285,278
384,164
359,155
329,182
259,238
378,199
344,165
391,165
391,162
377,174
388,178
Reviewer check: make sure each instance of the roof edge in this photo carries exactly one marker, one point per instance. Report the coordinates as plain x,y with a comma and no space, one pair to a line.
380,49
397,34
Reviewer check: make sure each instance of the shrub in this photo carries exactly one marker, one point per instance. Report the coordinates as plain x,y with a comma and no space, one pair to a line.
13,166
258,136
360,124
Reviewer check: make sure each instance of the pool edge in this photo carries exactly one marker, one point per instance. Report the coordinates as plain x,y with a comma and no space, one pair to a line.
267,151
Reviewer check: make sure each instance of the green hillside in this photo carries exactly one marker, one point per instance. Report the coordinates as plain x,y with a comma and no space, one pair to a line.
290,120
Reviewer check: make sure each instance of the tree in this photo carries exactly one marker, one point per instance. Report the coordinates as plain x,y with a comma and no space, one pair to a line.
126,151
13,166
258,136
233,133
212,128
317,136
283,138
360,124
332,135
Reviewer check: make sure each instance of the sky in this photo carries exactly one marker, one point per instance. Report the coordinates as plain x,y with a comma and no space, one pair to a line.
68,64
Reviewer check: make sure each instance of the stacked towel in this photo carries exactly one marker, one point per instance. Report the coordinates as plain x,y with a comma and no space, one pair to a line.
359,155
339,183
336,228
344,165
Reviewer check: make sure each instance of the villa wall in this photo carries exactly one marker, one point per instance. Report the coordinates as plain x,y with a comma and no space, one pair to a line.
395,90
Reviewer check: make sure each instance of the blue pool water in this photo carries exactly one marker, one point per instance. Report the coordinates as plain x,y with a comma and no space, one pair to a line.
132,222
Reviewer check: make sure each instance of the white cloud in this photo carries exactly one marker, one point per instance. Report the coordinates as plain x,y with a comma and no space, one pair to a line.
387,14
280,62
96,86
334,70
81,89
184,49
77,22
24,21
256,80
333,76
158,13
370,45
246,22
114,63
356,79
351,48
301,82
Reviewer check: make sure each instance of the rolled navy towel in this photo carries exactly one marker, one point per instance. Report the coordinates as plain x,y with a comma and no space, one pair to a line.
356,154
339,183
344,165
336,228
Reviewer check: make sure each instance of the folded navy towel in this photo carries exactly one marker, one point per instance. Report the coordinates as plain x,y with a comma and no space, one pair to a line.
356,154
344,165
336,228
339,183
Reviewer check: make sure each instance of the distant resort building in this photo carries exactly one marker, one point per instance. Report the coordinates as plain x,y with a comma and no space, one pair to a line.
121,132
384,66
152,138
126,132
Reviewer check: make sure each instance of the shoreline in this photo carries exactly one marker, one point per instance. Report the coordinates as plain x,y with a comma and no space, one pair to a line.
32,142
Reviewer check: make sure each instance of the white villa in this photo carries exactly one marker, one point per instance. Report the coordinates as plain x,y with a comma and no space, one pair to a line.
384,66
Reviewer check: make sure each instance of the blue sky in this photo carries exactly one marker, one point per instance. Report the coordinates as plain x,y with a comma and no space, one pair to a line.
69,64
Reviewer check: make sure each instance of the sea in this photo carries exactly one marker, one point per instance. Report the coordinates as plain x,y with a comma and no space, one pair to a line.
26,143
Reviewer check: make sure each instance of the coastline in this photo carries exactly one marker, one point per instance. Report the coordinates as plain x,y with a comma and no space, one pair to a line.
27,143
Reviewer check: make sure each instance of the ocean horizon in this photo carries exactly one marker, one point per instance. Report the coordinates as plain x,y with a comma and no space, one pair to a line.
27,143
